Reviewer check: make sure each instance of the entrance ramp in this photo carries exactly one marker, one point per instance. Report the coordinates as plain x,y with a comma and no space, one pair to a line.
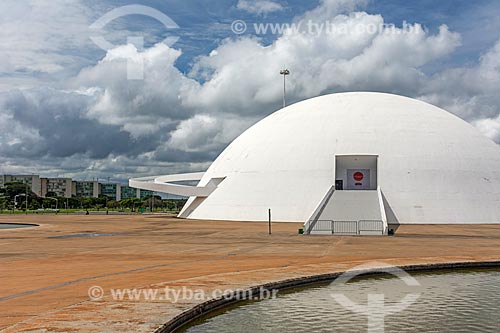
356,212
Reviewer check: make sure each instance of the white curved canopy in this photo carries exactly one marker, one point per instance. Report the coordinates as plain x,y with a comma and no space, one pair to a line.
164,184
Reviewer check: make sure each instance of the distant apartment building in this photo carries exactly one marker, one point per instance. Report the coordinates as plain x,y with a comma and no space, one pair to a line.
141,194
111,190
66,187
33,181
61,187
128,192
86,188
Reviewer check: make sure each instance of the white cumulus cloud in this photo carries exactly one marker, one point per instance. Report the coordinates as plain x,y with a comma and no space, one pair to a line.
259,7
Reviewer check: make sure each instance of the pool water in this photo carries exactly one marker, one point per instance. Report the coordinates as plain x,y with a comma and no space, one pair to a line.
450,301
14,225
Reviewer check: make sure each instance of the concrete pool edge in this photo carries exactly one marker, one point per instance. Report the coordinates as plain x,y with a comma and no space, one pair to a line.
212,305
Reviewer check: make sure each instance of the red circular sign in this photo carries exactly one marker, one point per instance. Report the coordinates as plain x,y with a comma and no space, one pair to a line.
358,176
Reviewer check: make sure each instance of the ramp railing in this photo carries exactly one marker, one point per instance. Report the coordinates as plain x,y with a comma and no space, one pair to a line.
382,210
371,226
313,220
347,228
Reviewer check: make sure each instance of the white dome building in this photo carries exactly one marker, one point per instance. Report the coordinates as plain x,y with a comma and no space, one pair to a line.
349,157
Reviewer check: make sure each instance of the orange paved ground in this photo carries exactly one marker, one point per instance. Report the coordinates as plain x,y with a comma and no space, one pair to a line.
44,281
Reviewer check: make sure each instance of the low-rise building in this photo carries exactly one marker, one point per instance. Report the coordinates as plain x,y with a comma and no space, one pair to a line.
111,190
86,188
128,192
141,194
61,187
33,181
66,187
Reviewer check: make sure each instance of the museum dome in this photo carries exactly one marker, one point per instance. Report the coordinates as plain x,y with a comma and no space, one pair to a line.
431,166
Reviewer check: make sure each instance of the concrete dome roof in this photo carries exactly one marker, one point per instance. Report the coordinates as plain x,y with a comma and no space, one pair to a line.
433,167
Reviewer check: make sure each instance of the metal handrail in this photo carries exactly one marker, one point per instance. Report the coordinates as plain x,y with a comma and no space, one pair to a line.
314,227
350,230
333,227
375,229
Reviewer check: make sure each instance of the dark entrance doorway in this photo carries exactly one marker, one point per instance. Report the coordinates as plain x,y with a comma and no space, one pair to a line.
358,172
339,185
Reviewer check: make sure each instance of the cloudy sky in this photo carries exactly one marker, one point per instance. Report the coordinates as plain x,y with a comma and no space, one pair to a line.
68,107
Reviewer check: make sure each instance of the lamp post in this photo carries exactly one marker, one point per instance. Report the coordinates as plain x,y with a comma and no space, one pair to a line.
15,198
284,72
55,200
26,198
153,202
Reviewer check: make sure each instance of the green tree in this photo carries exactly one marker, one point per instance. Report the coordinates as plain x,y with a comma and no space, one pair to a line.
132,203
113,204
12,189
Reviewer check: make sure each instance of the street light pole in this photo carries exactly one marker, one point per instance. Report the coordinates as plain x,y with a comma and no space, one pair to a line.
284,72
57,201
26,198
15,200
